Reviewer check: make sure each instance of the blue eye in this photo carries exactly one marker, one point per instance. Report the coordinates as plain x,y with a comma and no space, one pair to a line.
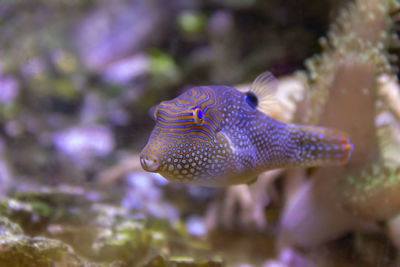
251,99
198,115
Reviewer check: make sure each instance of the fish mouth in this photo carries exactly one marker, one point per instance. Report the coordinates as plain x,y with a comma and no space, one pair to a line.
149,163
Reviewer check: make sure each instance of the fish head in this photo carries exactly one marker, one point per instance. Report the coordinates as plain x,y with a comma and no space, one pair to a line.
189,142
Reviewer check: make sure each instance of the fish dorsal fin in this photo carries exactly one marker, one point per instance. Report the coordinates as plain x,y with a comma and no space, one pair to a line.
265,87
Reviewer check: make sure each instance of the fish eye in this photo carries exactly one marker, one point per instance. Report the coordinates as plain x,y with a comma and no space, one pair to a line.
251,99
198,115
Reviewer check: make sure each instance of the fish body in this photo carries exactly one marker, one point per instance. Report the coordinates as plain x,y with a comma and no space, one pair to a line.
218,136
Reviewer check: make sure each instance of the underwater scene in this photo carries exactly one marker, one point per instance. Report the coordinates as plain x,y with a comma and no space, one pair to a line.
199,133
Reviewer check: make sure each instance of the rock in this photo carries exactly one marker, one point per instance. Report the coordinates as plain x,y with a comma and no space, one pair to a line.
18,250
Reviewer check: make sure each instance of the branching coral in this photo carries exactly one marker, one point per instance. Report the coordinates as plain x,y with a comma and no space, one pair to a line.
343,94
362,31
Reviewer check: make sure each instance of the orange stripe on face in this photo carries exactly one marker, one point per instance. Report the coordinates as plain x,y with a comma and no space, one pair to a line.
172,124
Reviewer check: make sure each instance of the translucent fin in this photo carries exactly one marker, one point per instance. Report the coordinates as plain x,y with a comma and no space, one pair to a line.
318,146
264,84
265,87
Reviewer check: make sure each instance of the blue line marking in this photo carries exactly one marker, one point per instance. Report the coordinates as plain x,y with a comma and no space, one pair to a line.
161,119
219,125
206,99
198,92
170,109
213,125
188,131
174,116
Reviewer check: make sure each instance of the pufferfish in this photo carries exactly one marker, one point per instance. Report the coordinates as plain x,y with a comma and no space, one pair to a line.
220,136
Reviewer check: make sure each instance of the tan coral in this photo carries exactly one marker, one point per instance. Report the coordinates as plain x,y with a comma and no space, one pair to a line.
362,29
373,193
343,95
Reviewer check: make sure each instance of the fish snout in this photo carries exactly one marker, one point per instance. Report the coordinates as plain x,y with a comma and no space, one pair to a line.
149,163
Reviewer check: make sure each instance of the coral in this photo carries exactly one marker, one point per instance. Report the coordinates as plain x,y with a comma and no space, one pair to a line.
343,93
243,206
72,219
74,101
388,120
17,249
362,32
125,243
159,261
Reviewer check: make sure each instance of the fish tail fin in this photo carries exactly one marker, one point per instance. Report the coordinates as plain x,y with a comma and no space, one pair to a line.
318,146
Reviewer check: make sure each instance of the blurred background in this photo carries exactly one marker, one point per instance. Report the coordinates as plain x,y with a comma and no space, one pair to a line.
77,80
78,77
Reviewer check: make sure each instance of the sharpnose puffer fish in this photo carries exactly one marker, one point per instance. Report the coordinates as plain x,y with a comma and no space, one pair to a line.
219,136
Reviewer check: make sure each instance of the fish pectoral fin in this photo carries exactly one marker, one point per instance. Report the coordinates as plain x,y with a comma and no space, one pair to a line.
252,181
265,87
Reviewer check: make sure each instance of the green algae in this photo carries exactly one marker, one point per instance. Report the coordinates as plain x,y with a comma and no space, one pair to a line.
192,23
159,261
17,249
60,225
8,228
